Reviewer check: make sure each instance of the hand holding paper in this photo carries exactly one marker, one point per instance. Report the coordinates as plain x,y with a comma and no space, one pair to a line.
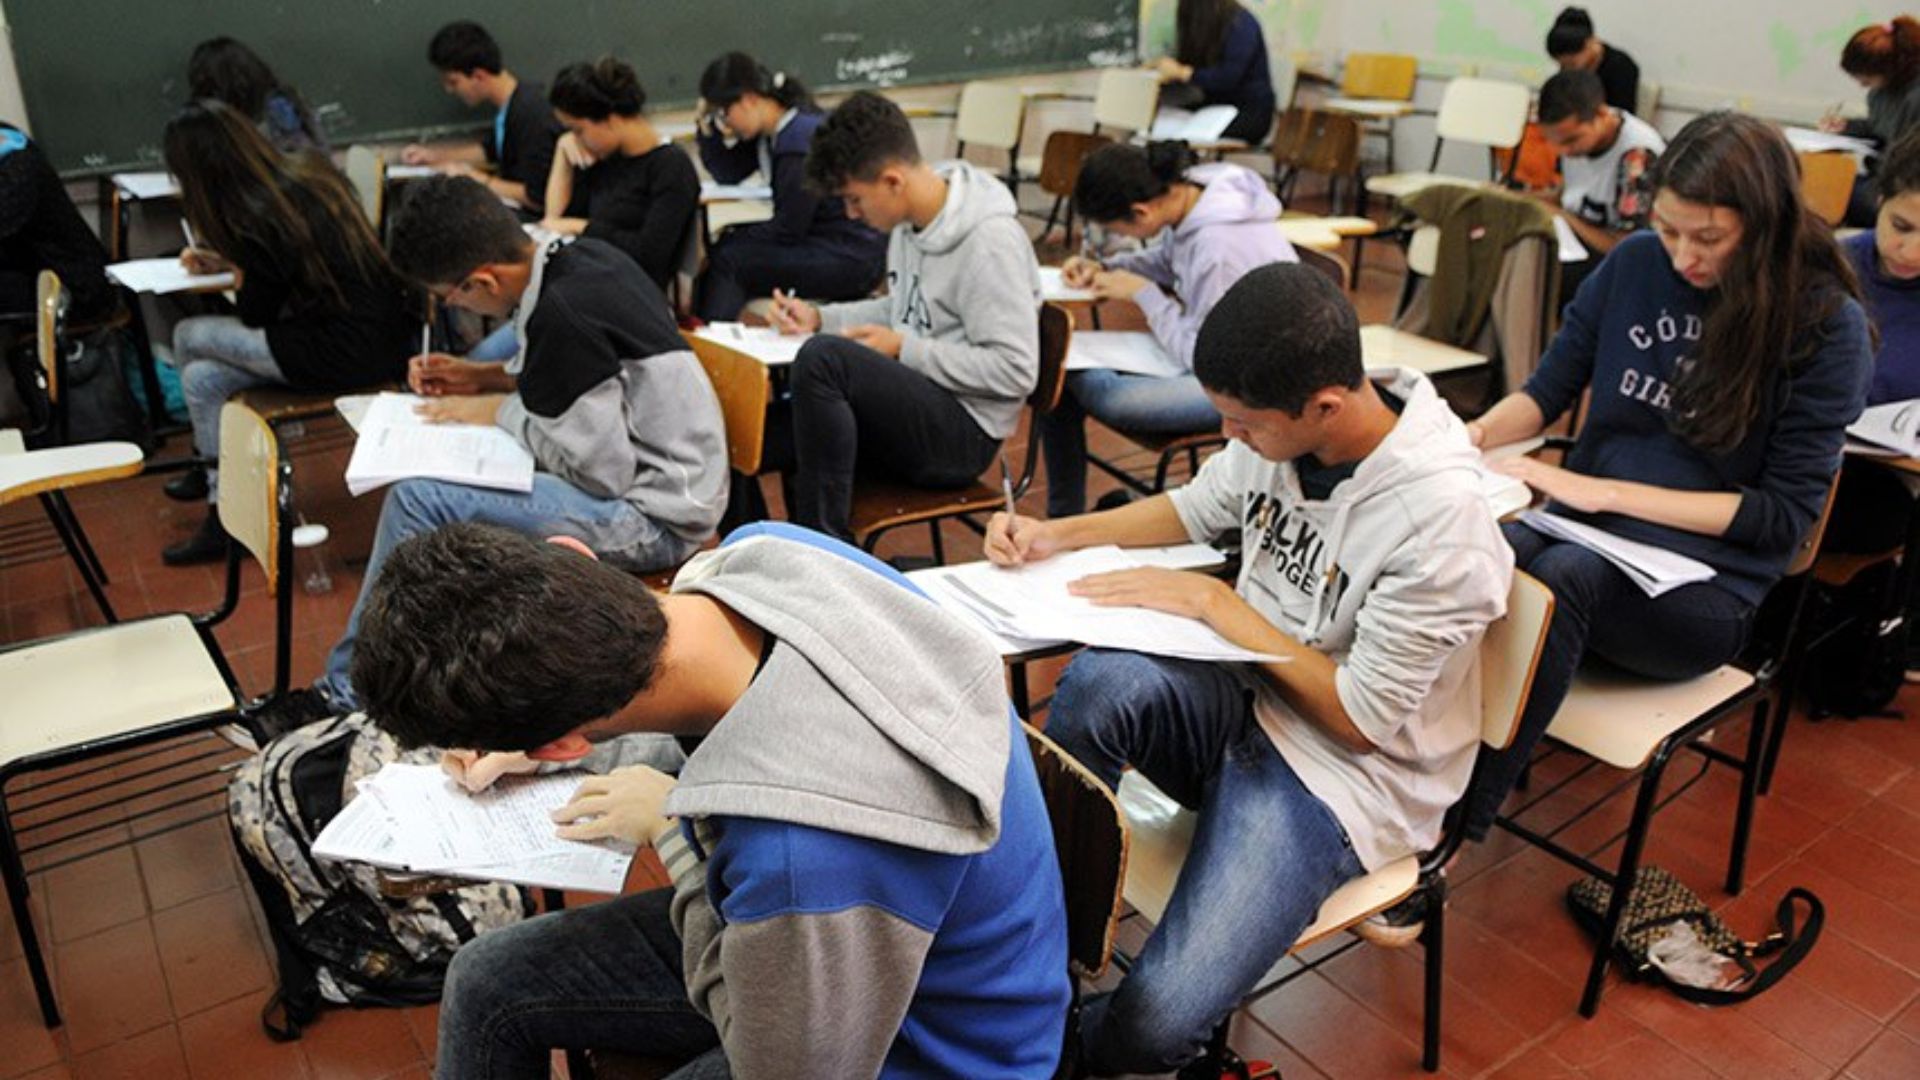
622,805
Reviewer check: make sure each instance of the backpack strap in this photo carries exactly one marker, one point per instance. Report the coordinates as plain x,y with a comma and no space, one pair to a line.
1789,945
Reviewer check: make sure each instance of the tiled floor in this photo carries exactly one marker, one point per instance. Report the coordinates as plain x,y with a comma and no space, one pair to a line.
162,965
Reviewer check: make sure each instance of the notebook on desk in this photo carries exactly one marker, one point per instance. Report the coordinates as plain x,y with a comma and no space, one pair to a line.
164,276
396,443
763,343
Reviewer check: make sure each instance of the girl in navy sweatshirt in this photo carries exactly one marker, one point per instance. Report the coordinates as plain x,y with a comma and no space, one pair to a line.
1220,52
755,120
1726,352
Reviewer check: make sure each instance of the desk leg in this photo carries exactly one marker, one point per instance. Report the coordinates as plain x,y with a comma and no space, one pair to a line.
149,370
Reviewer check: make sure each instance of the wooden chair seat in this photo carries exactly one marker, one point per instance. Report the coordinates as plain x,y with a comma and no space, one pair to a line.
1837,570
1621,719
882,506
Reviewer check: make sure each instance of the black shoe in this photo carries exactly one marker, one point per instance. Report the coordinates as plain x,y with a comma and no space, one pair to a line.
1398,926
207,544
189,486
291,710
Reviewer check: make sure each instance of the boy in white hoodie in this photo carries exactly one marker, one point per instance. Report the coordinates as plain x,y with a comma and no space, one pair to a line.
1372,565
924,383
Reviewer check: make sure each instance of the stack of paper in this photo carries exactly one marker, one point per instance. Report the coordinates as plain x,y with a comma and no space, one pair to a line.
414,819
1571,248
1655,570
154,184
1814,141
1133,351
1204,126
165,275
1054,289
397,444
763,343
711,192
411,172
1894,426
1031,604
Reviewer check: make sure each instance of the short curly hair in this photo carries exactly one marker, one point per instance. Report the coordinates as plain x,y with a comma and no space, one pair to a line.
478,637
449,226
864,135
1282,334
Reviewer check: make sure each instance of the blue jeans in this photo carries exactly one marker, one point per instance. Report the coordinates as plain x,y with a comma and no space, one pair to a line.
1265,850
217,357
1148,404
1597,609
602,977
612,528
503,344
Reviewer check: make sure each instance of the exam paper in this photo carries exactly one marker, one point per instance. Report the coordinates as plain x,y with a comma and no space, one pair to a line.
1054,289
1203,126
1656,570
1134,351
1894,426
763,343
164,275
712,192
395,443
154,184
1571,249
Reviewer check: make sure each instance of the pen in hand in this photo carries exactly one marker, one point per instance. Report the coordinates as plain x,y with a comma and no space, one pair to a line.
1006,487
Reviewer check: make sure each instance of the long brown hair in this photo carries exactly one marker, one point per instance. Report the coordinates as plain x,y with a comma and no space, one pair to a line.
1785,276
1200,30
1889,50
240,194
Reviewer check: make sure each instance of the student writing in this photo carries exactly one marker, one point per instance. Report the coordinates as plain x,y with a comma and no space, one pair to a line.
923,383
864,877
1220,58
1575,47
318,305
1726,354
1214,223
520,145
756,120
1606,154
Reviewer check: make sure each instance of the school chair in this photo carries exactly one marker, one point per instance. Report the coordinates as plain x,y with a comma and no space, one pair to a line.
1168,448
367,171
879,507
1378,88
1647,101
1826,183
98,691
1483,112
745,390
1636,725
1126,98
1060,164
992,115
1090,839
1521,314
1162,830
1307,140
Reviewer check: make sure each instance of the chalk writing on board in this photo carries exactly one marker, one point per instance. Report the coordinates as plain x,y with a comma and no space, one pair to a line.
882,69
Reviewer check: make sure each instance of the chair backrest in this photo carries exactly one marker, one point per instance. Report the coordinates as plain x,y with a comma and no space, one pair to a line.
743,387
1126,98
1647,101
1056,334
1826,183
367,172
50,316
990,114
1533,165
1483,111
251,492
1423,249
1317,142
1090,834
1327,262
1808,550
1509,653
1389,76
1060,162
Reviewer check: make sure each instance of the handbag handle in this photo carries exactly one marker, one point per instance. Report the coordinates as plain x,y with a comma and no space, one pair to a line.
1789,945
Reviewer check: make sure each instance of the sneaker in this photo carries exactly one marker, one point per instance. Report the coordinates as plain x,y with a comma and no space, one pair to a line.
1397,927
291,710
189,486
207,544
1232,1067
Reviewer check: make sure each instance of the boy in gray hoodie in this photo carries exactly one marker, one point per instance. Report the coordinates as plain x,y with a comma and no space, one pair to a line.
864,877
922,384
1372,564
620,418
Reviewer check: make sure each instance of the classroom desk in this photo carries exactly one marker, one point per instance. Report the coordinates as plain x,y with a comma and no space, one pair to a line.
1910,549
1386,346
732,204
1368,108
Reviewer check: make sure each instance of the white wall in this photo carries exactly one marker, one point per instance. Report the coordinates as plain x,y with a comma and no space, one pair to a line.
13,108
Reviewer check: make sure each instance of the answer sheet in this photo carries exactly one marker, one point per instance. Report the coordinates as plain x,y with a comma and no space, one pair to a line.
396,443
1133,351
165,275
763,343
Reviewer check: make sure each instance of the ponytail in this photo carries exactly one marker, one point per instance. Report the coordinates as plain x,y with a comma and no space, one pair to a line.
1118,175
736,74
1889,51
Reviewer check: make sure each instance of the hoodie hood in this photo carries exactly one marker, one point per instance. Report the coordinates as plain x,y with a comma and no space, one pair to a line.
1230,195
851,726
973,196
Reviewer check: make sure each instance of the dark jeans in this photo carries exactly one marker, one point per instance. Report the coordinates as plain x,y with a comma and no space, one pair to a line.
1600,611
744,266
1266,851
602,977
857,410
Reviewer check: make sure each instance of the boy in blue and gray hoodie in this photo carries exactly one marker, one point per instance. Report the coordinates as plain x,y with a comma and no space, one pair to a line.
920,385
864,877
621,420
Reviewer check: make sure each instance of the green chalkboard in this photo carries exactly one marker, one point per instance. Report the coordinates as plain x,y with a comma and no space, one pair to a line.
102,76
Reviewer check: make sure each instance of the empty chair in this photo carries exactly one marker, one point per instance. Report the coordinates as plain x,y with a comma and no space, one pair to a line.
1481,112
1126,98
367,172
1826,183
991,115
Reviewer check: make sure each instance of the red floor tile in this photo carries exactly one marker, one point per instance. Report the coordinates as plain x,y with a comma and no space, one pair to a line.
186,864
361,1044
1390,983
209,952
227,1043
1333,1030
1536,1063
154,1055
27,1042
94,893
111,986
1892,1056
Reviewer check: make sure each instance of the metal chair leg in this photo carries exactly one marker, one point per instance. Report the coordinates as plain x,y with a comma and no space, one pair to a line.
64,526
1751,768
1643,804
1434,937
939,546
80,535
15,873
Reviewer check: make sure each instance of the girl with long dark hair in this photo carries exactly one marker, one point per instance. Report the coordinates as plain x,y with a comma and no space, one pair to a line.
1726,352
318,305
1220,54
225,70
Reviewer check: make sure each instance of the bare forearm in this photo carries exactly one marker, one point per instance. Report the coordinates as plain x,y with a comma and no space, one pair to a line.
559,186
1517,416
512,190
1598,239
1708,513
1305,680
